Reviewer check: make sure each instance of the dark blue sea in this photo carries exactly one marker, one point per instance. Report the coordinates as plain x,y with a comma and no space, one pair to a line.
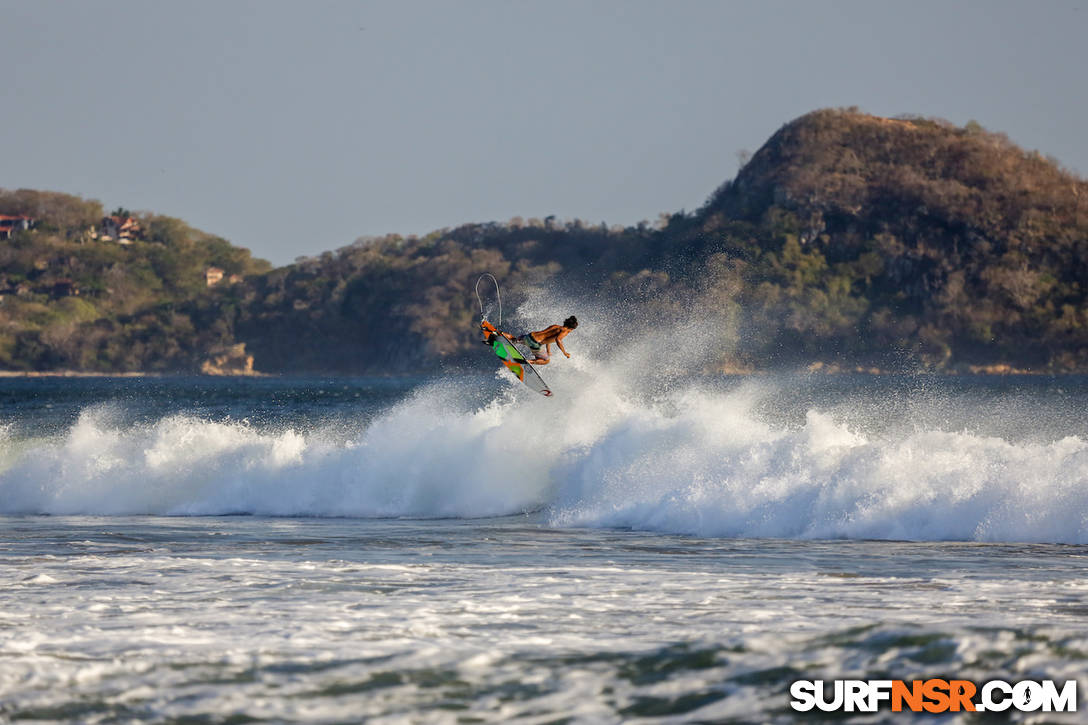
460,549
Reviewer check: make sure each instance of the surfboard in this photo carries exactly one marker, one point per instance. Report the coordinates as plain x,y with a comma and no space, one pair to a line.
515,361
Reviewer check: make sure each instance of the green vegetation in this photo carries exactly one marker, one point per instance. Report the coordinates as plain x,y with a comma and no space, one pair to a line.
940,247
70,301
847,240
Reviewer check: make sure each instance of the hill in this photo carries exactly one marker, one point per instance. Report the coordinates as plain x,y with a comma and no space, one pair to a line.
846,241
951,246
74,298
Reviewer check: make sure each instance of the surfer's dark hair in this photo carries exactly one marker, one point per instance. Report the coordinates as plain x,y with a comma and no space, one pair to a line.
571,322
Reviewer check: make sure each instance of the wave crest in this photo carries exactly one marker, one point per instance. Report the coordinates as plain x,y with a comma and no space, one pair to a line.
685,459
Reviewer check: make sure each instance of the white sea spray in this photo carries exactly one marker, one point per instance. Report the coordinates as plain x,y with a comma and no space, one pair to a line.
631,439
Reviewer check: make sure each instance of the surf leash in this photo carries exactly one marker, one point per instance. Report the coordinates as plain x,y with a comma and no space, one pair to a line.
497,297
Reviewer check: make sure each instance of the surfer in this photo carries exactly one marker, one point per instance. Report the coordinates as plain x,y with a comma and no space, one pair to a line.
540,342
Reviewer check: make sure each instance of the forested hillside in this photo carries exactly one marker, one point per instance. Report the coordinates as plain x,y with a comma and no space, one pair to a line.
72,300
949,245
846,241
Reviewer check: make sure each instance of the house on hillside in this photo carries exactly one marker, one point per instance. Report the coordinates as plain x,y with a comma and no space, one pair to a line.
124,229
213,276
9,224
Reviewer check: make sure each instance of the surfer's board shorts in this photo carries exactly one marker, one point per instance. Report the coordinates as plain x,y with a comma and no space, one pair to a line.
536,348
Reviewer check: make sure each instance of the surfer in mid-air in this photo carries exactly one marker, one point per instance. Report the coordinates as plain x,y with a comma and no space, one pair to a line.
540,342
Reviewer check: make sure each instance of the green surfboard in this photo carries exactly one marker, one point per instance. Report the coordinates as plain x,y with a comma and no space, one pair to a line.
516,363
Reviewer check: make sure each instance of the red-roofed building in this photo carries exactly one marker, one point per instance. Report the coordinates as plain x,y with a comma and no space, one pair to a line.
123,229
9,224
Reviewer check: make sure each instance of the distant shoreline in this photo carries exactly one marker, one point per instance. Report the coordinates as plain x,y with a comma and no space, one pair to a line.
822,371
127,374
75,374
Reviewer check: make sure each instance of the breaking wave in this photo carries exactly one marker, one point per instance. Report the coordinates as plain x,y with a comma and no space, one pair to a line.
616,447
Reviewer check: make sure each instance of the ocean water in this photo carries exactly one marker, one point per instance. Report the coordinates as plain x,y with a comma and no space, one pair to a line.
665,548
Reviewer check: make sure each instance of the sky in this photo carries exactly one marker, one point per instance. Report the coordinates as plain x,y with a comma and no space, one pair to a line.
293,128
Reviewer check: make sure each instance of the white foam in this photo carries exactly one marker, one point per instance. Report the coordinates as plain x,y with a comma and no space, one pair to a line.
624,443
694,473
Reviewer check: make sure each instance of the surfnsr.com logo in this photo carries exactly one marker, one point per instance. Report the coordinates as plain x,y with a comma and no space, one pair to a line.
933,696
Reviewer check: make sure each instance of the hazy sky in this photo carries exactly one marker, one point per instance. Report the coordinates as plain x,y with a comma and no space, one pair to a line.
295,127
